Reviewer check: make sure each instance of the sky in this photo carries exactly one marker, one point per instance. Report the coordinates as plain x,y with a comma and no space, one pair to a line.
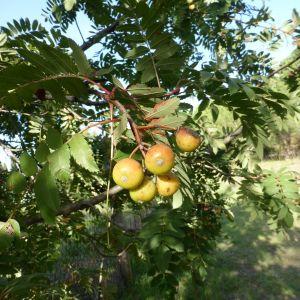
32,9
15,9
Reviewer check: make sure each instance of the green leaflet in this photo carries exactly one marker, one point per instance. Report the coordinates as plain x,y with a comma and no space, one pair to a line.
80,58
47,195
177,199
121,128
82,153
54,139
28,164
42,152
143,90
164,108
59,160
16,182
173,121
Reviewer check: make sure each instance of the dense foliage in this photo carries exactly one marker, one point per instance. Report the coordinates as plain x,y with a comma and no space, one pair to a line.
66,120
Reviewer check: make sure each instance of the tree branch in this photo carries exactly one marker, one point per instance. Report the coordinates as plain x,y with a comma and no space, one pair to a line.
98,36
73,207
284,66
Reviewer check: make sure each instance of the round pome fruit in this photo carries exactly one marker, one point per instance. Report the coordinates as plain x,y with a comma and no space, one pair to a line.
159,159
167,185
128,173
145,192
187,139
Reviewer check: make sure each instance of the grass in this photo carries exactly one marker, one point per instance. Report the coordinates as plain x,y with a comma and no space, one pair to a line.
254,262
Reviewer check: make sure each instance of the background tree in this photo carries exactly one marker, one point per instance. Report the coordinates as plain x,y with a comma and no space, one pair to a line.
80,234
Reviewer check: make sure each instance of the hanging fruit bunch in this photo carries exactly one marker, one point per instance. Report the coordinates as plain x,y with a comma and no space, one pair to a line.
158,161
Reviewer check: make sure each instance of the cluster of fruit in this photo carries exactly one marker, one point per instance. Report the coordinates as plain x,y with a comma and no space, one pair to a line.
159,160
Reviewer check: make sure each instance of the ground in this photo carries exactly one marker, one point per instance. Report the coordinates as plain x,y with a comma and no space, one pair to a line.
254,262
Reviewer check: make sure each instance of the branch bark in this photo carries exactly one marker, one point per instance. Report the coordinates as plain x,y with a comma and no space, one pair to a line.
73,207
98,36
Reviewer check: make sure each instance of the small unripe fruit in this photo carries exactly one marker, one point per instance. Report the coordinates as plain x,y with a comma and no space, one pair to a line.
145,192
190,1
192,7
159,159
128,173
167,185
187,139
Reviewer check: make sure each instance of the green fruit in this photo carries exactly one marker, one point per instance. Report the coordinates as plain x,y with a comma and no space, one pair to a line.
187,139
6,235
167,185
145,192
159,159
128,173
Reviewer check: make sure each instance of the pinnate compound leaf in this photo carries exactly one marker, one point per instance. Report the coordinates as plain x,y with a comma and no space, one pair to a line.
47,195
82,153
164,108
28,164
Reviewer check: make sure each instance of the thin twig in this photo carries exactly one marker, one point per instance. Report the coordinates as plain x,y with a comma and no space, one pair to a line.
79,30
99,123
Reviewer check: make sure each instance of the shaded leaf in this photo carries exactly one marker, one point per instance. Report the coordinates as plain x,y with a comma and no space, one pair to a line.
53,138
47,196
16,182
80,58
28,164
59,160
42,152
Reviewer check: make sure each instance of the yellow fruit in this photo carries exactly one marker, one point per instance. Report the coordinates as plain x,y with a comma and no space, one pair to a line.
145,192
192,7
128,173
167,185
159,159
190,1
187,139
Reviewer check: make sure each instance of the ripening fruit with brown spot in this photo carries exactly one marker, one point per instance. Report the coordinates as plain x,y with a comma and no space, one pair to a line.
187,139
159,159
167,185
144,192
128,173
